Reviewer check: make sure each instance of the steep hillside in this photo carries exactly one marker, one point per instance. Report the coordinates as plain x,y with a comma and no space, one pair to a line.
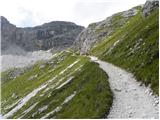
69,85
62,87
135,46
56,35
96,32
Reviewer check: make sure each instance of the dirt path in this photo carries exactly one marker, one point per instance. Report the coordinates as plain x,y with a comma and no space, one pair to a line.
130,99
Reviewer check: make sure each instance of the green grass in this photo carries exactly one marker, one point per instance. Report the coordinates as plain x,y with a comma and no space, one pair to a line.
21,86
93,91
137,50
107,28
93,99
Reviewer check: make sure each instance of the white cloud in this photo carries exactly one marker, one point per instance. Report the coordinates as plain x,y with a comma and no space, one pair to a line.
34,12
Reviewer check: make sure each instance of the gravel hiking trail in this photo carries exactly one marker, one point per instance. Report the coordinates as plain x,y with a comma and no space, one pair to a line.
131,99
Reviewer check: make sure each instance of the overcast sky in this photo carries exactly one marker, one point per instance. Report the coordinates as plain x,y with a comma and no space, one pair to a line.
27,13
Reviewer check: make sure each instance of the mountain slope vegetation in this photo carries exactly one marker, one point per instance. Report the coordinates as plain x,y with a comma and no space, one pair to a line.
135,47
70,85
63,87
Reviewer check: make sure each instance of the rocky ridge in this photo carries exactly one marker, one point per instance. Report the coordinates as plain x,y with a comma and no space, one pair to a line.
95,32
149,6
56,35
99,30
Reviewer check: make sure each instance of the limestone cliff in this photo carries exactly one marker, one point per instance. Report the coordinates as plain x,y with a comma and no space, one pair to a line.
56,35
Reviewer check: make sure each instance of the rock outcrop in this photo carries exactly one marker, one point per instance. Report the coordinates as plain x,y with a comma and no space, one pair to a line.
97,31
149,6
56,35
7,33
101,30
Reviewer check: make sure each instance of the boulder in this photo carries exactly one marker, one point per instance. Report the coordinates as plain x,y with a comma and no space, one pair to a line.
149,6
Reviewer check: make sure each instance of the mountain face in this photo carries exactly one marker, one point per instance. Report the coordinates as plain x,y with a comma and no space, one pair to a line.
56,35
96,32
149,6
99,30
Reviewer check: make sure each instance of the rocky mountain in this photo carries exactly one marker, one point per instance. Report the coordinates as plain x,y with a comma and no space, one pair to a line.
123,83
134,46
149,6
56,35
96,32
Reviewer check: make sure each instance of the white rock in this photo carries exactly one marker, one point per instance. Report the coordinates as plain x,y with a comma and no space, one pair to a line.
34,114
42,66
156,102
14,95
150,93
42,109
19,61
118,90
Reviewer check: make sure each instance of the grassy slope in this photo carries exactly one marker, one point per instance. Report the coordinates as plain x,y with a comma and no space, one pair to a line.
112,26
137,49
93,98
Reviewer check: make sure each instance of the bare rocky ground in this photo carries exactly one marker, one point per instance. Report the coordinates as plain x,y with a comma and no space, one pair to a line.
23,60
131,99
